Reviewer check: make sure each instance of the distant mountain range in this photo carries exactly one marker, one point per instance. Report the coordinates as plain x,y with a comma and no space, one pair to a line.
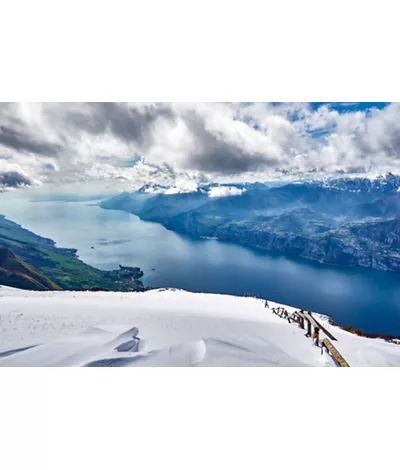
342,221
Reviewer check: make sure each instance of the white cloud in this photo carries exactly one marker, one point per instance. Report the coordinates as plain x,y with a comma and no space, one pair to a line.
225,191
188,143
182,186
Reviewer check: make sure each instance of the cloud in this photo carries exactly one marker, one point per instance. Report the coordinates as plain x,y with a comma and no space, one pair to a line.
13,176
13,179
183,186
225,191
170,143
19,141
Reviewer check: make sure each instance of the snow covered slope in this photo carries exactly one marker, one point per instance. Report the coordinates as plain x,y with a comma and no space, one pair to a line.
163,328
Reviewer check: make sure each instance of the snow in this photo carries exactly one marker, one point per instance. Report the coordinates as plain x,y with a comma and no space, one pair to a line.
164,327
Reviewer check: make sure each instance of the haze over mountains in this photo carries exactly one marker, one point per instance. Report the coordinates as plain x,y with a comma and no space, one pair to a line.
342,221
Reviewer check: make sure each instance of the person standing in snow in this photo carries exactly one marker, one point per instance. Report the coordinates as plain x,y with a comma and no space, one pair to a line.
316,336
266,305
308,335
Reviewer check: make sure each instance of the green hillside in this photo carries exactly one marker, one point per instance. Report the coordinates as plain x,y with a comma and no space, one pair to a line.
61,265
15,273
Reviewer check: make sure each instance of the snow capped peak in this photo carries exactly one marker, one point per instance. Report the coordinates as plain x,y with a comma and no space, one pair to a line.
152,188
385,182
178,188
386,176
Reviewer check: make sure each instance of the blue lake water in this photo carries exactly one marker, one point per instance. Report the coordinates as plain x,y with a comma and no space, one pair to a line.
363,298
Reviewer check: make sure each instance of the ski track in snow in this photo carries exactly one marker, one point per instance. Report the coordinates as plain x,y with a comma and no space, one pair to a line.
164,327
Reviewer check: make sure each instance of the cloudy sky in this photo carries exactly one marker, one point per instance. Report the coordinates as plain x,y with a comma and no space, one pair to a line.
125,145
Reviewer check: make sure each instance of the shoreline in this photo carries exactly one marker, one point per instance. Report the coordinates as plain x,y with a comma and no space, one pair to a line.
359,332
63,266
291,256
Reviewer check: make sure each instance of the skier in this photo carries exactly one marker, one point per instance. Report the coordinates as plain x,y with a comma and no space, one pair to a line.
266,305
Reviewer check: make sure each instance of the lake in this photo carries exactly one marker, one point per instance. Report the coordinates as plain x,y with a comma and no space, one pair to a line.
363,298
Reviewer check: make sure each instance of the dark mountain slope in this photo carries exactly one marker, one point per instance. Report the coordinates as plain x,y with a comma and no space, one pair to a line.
62,265
15,273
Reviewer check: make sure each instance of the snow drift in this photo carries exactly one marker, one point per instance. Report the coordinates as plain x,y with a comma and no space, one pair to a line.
164,327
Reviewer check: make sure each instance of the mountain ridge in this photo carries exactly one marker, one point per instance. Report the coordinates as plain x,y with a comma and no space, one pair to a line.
330,222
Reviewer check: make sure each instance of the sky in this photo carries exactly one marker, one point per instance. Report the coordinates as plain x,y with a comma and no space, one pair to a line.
121,146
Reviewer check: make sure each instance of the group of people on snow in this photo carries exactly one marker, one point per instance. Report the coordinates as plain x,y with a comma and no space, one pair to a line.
298,316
